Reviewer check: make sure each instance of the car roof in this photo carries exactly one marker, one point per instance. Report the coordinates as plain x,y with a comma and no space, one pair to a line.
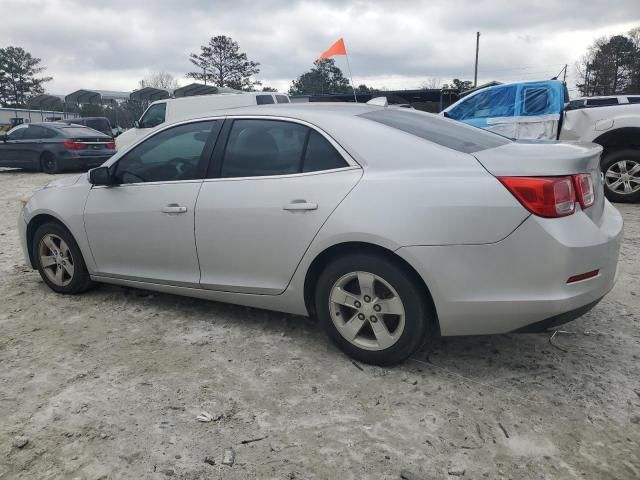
298,110
195,98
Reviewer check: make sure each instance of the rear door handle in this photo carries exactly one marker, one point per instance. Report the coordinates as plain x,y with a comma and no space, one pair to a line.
174,208
298,205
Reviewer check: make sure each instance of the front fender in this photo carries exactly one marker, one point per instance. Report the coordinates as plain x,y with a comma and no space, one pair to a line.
66,206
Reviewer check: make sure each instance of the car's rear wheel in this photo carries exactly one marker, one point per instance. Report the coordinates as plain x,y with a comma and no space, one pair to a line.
373,309
59,261
49,163
622,175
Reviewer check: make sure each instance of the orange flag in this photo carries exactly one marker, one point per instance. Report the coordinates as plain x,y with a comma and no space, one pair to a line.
335,49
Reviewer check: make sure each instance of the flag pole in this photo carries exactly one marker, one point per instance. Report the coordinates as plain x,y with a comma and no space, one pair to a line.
351,77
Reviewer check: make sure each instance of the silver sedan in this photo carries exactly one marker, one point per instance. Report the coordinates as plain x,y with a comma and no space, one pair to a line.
391,226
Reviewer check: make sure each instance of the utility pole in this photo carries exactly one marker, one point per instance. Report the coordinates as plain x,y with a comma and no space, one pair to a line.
475,74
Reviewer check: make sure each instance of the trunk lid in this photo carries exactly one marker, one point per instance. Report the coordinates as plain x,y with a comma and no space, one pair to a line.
548,159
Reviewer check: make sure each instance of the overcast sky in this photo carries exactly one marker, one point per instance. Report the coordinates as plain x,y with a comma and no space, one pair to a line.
112,44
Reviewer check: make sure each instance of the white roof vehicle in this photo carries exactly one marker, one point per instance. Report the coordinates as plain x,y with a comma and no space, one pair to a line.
542,110
175,109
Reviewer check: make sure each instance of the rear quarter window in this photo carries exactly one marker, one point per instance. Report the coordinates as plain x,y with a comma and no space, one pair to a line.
264,99
599,102
448,133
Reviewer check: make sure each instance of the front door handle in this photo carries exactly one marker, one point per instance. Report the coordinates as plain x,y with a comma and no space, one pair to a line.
174,208
298,205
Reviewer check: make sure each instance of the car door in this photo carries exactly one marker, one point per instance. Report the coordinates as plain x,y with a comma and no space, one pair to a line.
142,228
272,185
11,149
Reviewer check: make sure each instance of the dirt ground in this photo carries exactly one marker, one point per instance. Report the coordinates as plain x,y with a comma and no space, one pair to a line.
108,385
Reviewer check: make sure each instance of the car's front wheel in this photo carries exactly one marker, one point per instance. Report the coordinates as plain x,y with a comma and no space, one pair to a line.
373,309
622,175
59,260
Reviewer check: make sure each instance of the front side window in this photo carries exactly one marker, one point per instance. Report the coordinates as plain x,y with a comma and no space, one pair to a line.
282,99
272,147
154,116
171,155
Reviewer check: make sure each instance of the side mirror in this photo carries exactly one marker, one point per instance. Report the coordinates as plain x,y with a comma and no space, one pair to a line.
136,124
446,114
100,176
4,137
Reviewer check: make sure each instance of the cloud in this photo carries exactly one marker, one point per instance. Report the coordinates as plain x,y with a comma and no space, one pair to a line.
112,45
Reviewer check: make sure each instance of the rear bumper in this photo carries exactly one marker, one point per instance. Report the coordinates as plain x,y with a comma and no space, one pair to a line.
520,282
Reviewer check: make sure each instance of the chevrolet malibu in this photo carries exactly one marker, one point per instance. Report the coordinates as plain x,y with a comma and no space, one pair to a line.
391,226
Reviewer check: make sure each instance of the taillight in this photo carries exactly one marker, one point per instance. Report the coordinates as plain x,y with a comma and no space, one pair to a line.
73,145
110,146
549,197
584,190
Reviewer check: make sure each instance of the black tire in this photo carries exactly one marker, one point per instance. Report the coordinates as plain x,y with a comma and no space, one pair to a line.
49,163
80,280
610,163
419,318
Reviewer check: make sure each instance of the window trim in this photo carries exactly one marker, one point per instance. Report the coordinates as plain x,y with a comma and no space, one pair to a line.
215,166
221,136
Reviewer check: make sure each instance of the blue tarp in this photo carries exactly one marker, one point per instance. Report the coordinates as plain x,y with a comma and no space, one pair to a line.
526,99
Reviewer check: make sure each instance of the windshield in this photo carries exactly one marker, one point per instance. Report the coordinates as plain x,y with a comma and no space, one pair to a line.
447,133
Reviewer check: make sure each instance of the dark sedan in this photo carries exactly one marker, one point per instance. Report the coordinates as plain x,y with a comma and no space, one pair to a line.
53,147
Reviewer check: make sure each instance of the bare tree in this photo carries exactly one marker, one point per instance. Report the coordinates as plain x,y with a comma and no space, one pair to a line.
431,83
160,79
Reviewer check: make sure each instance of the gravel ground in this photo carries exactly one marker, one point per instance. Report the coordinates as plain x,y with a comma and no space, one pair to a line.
109,385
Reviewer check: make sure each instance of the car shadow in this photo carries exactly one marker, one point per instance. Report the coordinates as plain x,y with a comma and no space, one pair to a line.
491,358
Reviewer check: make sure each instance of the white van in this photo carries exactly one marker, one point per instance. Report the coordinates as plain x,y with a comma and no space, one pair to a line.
175,109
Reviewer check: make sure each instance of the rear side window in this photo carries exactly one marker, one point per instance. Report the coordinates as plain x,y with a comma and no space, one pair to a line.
99,124
264,99
447,133
598,102
321,155
282,99
257,148
536,101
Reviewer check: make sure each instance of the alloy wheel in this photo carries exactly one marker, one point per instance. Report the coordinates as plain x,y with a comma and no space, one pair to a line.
56,260
623,177
367,310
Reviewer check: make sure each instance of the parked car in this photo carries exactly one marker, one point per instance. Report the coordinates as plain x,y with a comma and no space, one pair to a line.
391,225
53,147
172,110
101,124
542,110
